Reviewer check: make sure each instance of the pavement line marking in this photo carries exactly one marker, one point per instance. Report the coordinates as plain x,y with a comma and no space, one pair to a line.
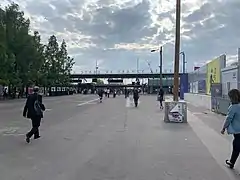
87,102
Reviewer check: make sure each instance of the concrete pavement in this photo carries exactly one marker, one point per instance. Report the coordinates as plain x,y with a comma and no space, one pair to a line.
109,141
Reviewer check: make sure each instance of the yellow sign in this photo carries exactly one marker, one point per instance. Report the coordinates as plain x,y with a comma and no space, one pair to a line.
213,74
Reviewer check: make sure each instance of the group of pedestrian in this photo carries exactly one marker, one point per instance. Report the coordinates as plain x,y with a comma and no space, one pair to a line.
100,93
107,92
34,109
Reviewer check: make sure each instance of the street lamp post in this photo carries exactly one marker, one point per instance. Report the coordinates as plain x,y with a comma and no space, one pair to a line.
160,63
177,50
96,66
183,61
160,66
137,70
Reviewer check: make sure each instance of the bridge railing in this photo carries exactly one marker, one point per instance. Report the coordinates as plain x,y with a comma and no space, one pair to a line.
121,72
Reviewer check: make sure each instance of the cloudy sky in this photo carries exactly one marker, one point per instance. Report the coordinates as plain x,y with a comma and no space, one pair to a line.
118,32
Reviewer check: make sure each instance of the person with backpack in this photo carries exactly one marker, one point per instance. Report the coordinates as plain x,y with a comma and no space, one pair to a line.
232,125
33,110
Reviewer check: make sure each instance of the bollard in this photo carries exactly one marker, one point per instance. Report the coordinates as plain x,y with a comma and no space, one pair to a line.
175,112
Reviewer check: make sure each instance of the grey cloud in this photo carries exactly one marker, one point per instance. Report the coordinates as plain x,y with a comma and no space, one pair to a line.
63,7
60,24
200,14
170,15
204,46
131,24
41,8
124,25
209,40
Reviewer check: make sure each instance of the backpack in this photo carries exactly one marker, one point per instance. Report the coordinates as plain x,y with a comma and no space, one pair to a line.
37,107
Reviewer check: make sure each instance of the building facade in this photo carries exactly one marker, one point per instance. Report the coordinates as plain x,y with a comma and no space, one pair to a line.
201,80
229,79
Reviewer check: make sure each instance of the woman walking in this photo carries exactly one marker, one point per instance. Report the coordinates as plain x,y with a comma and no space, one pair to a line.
232,124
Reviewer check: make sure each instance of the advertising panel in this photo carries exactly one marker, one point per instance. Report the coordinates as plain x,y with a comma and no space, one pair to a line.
183,85
197,80
213,74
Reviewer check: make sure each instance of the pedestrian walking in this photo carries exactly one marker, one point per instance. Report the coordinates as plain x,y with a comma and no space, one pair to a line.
33,110
232,125
135,96
108,92
160,97
100,94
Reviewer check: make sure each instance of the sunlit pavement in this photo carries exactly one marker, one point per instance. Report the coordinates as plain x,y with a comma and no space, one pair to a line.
85,140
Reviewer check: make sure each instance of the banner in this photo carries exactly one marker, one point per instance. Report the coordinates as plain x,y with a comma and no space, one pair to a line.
183,85
213,74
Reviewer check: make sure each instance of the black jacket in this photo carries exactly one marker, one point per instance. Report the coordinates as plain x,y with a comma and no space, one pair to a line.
135,94
161,94
29,106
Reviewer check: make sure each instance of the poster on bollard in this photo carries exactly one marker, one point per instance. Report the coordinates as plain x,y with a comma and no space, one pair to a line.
176,113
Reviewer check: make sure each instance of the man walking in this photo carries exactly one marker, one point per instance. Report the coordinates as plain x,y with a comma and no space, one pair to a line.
100,94
34,110
160,97
135,96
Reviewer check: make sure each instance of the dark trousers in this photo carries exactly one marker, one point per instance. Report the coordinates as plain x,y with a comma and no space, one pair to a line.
35,127
236,149
161,103
135,99
161,100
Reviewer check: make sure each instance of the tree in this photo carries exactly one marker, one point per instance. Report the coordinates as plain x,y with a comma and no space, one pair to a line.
18,44
24,60
3,50
51,55
65,64
68,68
58,63
37,64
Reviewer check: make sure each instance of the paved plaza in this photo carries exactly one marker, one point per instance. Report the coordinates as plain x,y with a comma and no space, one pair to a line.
83,139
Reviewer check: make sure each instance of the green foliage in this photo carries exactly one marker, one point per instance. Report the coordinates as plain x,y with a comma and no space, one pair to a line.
24,60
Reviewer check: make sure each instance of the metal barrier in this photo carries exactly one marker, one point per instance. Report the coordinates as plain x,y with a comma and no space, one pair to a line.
220,105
